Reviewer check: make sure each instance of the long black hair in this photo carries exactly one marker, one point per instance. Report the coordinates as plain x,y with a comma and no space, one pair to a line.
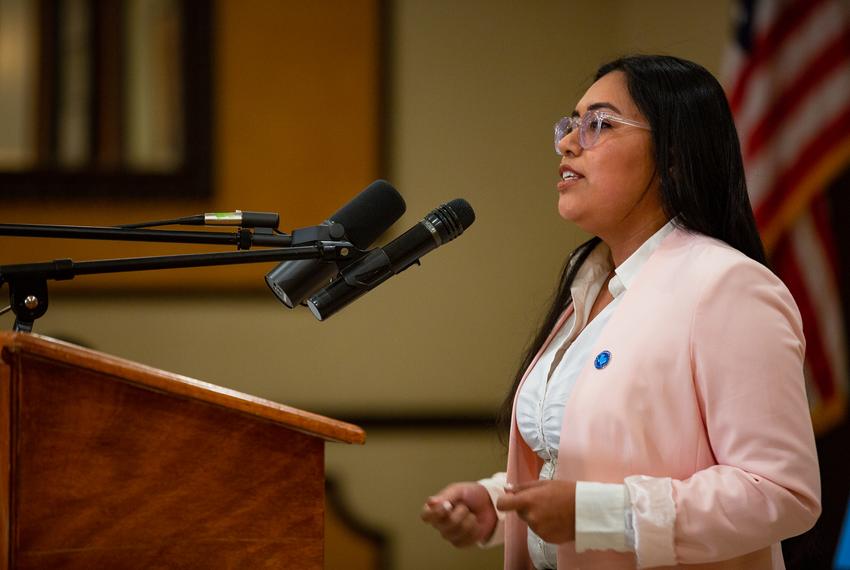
698,160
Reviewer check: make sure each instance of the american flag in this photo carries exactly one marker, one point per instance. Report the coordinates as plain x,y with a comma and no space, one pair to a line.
787,74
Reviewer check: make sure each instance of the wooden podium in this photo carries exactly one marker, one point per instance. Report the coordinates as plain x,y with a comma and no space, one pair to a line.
111,464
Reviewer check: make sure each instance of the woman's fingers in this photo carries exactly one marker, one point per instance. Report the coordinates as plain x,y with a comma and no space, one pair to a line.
511,502
458,514
462,513
461,527
518,487
435,509
439,504
457,525
548,507
521,496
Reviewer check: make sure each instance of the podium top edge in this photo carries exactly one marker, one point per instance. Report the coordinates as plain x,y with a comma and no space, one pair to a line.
178,385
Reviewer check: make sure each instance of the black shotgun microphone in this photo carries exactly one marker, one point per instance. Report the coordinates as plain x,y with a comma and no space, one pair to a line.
364,218
441,225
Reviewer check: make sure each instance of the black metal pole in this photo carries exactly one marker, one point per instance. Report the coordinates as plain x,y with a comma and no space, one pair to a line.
28,281
60,269
122,234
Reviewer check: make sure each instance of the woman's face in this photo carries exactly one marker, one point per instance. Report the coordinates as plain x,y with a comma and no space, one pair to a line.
615,189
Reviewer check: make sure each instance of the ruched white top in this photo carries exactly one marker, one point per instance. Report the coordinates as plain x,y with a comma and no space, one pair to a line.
543,396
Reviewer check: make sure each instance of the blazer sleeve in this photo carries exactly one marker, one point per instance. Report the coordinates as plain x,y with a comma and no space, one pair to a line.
747,350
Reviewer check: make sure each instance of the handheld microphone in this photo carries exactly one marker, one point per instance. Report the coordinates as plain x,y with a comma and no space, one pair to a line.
440,226
364,218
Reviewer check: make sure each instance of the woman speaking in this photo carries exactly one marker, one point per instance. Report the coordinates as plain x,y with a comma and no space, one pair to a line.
659,417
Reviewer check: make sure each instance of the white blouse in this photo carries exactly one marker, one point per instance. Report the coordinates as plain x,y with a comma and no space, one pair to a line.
603,515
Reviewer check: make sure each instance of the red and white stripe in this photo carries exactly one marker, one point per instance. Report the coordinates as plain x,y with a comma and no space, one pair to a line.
790,95
813,284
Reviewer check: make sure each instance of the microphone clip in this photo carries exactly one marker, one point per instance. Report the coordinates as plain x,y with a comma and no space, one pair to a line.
326,231
334,243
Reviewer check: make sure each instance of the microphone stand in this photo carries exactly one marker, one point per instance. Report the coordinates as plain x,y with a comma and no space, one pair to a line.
28,297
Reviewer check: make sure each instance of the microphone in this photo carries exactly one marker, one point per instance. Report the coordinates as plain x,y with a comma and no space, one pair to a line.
443,224
234,218
364,218
242,219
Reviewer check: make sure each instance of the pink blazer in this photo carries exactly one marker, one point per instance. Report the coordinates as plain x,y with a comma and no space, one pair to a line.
701,411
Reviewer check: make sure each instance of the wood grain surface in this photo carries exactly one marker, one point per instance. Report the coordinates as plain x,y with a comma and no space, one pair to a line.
152,378
117,466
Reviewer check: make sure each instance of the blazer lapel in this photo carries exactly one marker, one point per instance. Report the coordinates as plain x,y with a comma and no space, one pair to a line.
616,330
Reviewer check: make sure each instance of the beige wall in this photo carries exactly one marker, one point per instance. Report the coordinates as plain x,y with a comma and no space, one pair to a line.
476,86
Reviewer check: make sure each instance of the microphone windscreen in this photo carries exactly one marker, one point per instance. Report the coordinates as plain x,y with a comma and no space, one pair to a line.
370,213
464,212
450,220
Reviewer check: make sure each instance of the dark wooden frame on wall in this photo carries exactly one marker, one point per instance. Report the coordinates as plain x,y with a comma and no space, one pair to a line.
192,180
259,142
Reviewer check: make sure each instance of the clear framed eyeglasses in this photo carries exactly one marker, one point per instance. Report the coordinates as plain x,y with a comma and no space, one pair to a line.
590,127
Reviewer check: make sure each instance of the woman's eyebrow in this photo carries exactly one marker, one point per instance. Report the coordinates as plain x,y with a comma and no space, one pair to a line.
602,105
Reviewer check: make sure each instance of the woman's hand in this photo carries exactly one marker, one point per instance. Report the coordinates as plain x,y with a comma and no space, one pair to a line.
462,512
547,507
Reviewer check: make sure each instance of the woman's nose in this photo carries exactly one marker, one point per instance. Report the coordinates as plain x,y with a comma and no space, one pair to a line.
569,144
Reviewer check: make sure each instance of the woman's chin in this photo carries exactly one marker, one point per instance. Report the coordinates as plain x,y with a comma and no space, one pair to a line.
569,210
577,217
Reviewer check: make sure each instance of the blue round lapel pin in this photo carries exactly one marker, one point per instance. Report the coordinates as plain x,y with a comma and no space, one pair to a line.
602,360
